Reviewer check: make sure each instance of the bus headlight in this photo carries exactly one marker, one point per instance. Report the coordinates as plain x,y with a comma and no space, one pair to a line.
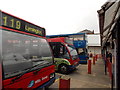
75,63
52,75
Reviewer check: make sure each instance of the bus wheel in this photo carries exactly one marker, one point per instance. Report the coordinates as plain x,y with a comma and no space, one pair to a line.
63,69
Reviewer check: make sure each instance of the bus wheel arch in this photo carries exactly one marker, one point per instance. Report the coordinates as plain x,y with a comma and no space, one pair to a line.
63,68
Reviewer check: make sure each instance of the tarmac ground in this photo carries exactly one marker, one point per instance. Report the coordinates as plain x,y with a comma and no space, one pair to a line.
80,78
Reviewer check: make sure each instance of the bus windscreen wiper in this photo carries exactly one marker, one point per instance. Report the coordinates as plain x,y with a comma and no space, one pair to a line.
29,69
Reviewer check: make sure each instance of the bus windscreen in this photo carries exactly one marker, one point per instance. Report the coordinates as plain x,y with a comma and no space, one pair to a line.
21,52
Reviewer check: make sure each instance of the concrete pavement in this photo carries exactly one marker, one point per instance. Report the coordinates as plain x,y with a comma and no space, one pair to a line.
81,79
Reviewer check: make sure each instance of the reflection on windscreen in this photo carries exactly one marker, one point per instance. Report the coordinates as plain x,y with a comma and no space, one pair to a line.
82,51
73,52
21,52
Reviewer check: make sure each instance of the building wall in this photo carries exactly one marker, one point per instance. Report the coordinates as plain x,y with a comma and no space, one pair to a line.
94,49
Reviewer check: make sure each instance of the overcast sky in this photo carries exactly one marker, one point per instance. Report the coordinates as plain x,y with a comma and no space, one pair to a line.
57,16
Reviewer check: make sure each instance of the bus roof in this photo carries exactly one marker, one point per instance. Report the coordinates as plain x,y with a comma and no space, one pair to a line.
56,40
64,35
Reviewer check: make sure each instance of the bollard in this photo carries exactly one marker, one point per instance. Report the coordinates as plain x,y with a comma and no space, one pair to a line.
89,66
94,60
110,69
64,84
96,57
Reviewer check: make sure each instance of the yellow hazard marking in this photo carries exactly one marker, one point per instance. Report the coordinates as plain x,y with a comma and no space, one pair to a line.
59,77
56,80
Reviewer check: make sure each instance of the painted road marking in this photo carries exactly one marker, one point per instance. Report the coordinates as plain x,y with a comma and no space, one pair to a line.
58,76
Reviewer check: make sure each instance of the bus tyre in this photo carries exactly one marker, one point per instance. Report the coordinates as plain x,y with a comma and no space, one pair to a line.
63,69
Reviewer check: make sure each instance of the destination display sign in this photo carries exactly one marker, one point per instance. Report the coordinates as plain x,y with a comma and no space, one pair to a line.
13,22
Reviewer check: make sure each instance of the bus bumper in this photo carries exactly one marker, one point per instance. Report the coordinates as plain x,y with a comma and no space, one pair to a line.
83,61
47,84
72,67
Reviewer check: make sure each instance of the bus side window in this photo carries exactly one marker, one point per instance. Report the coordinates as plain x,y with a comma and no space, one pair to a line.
56,51
80,51
61,50
65,53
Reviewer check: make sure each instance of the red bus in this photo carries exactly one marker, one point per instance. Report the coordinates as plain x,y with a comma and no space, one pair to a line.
65,55
27,61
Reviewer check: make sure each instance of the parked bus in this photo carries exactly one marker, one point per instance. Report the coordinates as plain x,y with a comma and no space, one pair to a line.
0,54
26,56
80,43
65,55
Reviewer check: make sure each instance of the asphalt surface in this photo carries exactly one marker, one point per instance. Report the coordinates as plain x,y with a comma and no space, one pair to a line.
79,78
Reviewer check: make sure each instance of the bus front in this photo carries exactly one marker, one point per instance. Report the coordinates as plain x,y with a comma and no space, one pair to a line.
74,59
65,55
27,59
81,48
81,45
